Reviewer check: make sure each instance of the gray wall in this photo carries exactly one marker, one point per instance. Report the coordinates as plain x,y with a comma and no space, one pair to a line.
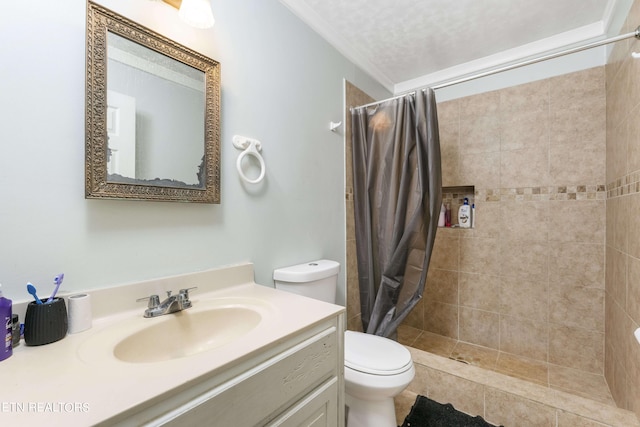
281,84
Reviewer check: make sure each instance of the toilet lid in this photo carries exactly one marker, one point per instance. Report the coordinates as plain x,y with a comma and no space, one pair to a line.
376,355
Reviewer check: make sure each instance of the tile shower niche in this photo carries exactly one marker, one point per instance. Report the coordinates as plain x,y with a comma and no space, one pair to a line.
453,197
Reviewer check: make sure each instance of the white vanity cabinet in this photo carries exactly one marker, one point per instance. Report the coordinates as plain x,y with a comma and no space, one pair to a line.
285,370
297,382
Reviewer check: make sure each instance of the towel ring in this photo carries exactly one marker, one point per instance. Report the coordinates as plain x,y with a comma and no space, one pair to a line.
251,147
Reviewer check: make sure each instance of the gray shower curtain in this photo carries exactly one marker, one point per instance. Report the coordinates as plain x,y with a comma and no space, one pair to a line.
397,193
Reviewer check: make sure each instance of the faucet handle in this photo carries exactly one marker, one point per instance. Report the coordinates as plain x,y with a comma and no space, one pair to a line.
185,292
154,301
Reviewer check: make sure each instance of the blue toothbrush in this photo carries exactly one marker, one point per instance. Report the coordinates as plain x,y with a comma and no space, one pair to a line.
32,290
58,281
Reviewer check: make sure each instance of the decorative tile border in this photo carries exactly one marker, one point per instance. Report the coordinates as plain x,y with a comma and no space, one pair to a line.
628,184
565,192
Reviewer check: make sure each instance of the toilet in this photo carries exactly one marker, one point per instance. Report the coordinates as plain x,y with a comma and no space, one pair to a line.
376,369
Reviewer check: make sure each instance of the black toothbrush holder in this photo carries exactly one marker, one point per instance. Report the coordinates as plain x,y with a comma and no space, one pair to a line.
45,323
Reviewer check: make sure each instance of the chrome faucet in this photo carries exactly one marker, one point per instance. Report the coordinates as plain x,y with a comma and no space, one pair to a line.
172,304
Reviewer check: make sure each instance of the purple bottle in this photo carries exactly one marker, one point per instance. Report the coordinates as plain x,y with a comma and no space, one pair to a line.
7,325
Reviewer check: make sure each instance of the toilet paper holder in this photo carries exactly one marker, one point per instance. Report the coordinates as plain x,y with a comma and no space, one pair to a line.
251,147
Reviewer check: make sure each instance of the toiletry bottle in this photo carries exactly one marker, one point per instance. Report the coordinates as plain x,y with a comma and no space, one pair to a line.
6,330
441,218
464,214
473,215
15,329
447,216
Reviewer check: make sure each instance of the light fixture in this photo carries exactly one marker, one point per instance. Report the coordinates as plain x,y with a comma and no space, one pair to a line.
196,13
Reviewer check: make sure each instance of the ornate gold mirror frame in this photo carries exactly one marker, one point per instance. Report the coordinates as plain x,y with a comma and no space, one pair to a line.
101,21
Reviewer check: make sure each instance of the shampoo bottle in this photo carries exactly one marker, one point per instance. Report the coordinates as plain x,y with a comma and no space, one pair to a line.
464,215
7,327
441,218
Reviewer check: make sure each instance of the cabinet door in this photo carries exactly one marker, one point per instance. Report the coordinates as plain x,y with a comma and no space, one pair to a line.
318,409
250,397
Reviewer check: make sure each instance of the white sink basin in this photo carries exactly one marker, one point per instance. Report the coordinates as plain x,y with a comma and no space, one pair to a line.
186,333
209,324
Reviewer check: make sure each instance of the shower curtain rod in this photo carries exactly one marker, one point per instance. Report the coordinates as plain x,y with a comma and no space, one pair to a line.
635,34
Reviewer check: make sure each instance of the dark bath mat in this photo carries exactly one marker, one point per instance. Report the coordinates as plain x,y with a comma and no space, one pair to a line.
428,413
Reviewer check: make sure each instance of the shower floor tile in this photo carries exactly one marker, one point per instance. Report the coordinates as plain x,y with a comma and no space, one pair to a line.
579,383
524,368
475,355
436,344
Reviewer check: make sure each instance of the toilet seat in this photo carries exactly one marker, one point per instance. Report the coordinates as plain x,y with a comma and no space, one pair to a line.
371,354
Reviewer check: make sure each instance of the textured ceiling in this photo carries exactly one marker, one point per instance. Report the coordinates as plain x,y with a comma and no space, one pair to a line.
405,40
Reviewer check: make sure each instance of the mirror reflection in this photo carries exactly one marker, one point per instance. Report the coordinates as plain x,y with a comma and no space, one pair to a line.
153,106
155,116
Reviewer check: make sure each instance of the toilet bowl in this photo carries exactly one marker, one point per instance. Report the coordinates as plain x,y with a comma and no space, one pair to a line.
376,369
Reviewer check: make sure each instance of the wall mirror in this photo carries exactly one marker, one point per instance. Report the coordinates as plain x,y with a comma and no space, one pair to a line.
152,115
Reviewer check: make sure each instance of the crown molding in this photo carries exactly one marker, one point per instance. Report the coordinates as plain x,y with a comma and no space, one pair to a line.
582,35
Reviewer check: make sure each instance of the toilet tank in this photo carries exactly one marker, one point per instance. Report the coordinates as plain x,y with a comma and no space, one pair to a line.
315,279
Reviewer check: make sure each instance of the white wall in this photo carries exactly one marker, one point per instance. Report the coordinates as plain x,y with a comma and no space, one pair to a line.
281,84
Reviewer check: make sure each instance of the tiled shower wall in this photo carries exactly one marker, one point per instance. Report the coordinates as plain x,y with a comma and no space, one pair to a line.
529,279
622,352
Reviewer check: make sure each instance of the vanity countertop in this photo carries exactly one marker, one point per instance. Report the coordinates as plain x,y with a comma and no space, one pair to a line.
74,382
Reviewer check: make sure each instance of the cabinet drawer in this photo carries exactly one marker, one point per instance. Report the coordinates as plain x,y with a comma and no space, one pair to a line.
268,388
318,409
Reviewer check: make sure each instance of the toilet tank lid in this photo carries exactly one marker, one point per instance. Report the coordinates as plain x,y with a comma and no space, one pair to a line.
307,272
375,355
